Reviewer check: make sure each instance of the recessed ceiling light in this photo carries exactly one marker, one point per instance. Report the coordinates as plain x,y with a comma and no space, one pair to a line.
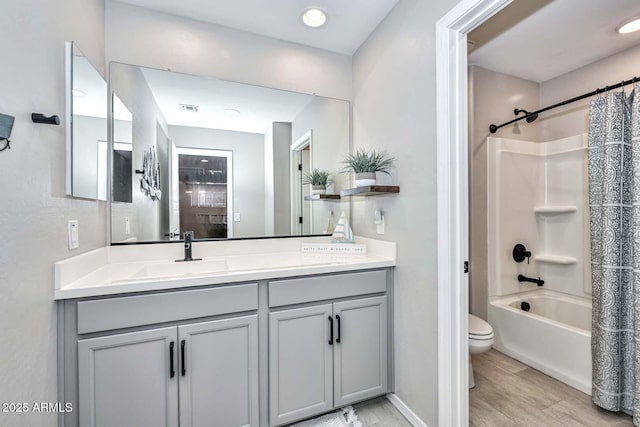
78,93
629,26
204,161
314,18
232,112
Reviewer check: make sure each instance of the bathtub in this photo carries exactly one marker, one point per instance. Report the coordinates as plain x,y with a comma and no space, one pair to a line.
554,336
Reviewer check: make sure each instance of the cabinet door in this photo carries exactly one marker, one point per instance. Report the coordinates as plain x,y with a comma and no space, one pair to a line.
125,380
219,373
300,363
360,356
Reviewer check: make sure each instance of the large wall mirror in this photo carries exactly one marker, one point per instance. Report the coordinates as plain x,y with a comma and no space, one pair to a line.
86,127
219,158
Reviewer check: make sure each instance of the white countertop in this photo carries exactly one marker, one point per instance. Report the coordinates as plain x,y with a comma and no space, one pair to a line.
149,267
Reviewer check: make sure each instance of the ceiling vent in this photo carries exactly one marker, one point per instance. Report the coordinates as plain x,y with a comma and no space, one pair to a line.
189,108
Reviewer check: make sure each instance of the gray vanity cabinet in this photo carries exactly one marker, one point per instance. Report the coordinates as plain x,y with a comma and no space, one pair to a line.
164,359
209,370
300,363
219,373
125,381
360,356
326,356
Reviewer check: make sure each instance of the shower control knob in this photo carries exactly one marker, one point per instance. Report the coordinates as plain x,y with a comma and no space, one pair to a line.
520,253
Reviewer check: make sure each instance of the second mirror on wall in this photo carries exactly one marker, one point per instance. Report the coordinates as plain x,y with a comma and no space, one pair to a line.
220,158
86,127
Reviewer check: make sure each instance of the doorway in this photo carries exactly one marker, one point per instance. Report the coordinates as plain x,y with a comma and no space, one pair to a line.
301,214
453,205
204,183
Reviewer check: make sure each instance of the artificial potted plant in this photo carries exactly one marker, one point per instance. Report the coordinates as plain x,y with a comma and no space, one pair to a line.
365,164
318,180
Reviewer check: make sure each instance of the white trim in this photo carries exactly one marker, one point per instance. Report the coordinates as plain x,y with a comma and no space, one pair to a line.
123,146
405,410
453,205
303,141
216,153
306,140
68,111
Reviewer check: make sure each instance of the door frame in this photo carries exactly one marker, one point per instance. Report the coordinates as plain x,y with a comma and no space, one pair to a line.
453,204
214,153
306,140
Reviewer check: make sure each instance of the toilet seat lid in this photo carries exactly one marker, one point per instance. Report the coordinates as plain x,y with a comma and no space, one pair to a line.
479,327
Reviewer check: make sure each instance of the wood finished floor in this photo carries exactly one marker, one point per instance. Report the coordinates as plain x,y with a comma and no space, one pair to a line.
509,393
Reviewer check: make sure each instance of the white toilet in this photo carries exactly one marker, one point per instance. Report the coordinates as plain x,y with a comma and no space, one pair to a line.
480,340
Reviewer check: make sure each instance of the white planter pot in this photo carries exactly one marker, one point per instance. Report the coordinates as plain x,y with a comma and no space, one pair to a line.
318,189
365,179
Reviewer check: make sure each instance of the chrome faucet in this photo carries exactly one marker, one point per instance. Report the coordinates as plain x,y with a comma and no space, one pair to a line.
188,248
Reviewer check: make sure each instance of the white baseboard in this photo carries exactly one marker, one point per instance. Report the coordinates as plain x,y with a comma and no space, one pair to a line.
405,411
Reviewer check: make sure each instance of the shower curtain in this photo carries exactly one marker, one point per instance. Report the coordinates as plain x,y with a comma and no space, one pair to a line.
614,199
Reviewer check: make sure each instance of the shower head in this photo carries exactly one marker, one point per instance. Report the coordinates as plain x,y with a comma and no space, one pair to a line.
530,117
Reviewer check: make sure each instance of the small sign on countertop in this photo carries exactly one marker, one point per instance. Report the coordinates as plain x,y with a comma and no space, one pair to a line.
334,248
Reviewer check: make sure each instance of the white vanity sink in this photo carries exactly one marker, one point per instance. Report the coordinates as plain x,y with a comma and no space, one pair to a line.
175,269
141,268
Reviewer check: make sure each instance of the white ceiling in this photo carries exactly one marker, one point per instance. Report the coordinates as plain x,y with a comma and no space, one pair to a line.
258,106
564,35
349,23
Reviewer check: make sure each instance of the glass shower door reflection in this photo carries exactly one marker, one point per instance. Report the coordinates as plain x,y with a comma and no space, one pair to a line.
205,193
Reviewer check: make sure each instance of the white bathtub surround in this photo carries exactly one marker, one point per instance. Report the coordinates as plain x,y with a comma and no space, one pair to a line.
553,337
537,196
137,268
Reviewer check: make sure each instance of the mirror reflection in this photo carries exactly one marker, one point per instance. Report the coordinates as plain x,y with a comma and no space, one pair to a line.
122,151
221,159
87,140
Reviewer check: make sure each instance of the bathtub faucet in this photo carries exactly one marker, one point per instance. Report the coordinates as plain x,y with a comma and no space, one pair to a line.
520,253
523,278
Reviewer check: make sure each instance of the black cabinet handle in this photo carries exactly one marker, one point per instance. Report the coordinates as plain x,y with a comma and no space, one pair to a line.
184,368
172,371
338,319
331,327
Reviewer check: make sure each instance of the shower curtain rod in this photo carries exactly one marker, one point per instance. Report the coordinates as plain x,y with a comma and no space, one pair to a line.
494,128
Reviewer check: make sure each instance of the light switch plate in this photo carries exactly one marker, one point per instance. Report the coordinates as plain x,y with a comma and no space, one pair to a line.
236,217
72,231
127,225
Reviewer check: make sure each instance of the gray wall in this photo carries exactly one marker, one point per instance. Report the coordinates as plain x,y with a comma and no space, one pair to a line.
281,179
248,171
394,100
162,151
144,214
158,40
329,119
35,209
492,99
573,119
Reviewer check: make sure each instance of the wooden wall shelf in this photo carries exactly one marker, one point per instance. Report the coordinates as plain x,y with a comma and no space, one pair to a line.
312,197
371,190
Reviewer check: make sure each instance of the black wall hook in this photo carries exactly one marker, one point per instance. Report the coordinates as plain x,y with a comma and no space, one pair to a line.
41,118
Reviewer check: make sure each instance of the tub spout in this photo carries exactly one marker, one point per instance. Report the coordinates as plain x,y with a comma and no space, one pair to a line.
523,278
